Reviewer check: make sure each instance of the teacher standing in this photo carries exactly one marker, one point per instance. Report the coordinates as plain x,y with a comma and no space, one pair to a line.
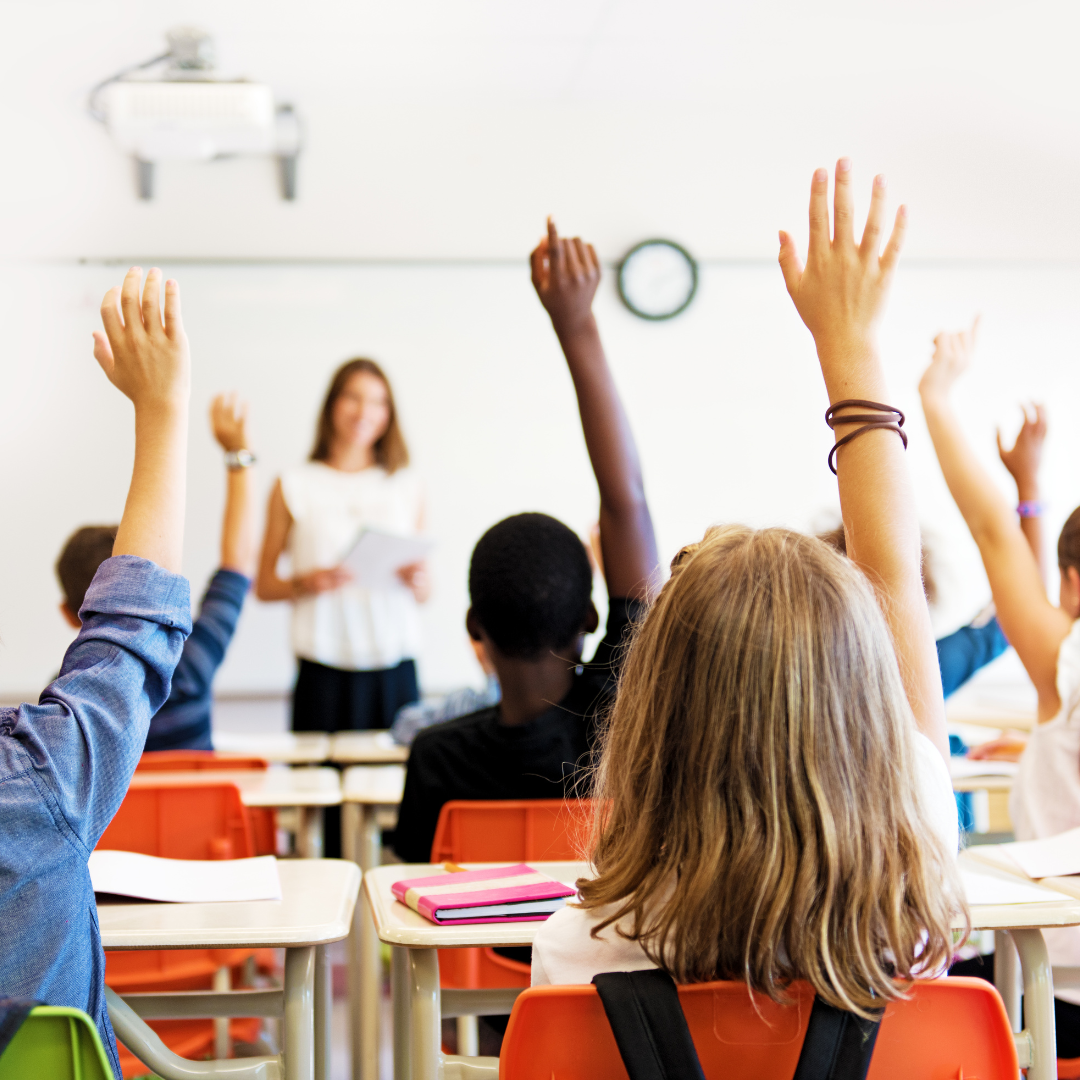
356,646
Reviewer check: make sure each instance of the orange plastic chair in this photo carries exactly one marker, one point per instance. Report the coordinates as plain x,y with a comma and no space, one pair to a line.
263,818
947,1028
513,830
198,821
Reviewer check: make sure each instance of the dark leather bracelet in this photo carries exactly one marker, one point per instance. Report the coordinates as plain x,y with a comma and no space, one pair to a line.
880,425
832,419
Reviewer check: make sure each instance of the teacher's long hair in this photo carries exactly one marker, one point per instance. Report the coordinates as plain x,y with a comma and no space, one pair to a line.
390,449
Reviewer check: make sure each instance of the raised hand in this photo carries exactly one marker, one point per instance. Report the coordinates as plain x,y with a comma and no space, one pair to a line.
565,274
840,293
1024,458
144,356
952,356
228,420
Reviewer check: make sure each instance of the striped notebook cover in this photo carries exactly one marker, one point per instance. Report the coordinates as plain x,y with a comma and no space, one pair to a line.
511,893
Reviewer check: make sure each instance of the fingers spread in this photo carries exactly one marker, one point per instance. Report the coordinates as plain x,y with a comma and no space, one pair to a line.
151,302
790,265
891,255
819,211
843,208
129,300
103,353
110,315
174,327
875,219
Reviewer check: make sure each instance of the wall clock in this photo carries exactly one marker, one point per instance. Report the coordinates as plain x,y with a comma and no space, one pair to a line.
657,279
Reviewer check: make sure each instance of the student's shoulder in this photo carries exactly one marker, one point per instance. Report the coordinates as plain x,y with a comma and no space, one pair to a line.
471,728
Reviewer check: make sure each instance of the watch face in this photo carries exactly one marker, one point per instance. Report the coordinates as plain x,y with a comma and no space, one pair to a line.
657,279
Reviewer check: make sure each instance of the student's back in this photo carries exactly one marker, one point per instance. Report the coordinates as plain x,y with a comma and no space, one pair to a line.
530,587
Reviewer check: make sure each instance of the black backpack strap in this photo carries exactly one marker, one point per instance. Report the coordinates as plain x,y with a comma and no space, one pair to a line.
649,1025
838,1045
13,1011
654,1040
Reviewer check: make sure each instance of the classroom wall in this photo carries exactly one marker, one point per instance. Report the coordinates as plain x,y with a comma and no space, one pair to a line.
726,402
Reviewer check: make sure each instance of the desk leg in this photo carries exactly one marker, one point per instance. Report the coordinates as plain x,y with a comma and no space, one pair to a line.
360,829
400,986
324,1000
1007,976
309,839
425,1014
1038,1002
300,1013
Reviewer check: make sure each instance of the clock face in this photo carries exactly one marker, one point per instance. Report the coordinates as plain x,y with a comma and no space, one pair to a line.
657,279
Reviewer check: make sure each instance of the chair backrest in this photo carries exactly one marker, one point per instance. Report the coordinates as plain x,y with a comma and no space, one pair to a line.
196,760
512,830
945,1025
56,1043
203,821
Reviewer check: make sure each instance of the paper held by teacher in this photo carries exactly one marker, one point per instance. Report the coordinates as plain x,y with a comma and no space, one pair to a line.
377,556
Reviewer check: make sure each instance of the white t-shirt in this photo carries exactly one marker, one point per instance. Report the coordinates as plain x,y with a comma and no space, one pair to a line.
352,628
565,952
1045,798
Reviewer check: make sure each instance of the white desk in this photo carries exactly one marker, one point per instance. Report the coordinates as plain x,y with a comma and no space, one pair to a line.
971,775
365,788
419,1006
284,747
366,748
307,790
317,907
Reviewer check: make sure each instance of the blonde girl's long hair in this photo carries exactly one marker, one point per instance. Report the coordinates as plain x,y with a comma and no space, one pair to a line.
760,813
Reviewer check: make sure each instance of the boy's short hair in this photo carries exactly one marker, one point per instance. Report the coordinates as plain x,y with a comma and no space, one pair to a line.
530,584
86,549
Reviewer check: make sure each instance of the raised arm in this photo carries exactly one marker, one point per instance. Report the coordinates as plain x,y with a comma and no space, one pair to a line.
840,295
228,421
146,358
1034,627
1023,462
565,274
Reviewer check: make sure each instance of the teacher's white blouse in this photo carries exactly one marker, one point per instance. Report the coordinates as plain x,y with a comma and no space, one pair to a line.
352,628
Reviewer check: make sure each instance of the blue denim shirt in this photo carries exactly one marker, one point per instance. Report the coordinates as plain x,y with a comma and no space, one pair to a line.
183,722
65,766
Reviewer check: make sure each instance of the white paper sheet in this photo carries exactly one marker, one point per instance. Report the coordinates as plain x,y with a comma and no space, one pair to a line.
993,888
190,881
961,768
377,555
1056,856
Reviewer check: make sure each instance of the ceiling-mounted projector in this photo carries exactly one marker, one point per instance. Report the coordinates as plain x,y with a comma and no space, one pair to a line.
188,115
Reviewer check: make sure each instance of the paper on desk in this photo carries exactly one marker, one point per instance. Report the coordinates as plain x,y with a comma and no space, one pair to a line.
377,555
991,888
190,881
961,768
1056,856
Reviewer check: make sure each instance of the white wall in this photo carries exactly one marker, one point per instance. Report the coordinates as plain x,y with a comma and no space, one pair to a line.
439,136
726,402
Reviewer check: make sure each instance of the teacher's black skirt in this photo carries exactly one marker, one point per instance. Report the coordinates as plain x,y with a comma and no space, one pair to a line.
330,699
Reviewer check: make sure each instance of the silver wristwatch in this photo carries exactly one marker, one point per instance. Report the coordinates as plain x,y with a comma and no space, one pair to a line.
239,459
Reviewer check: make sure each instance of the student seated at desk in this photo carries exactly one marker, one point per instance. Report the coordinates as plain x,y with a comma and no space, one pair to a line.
530,586
66,762
763,698
183,722
1045,798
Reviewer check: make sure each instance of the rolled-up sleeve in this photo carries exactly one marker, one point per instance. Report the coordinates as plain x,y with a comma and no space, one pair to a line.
84,737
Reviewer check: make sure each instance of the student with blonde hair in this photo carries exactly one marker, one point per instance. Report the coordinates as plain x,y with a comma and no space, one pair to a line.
776,800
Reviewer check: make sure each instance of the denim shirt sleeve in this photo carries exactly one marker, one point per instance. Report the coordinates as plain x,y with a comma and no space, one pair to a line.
84,737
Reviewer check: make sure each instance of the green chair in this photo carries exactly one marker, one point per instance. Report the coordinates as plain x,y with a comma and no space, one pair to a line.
55,1043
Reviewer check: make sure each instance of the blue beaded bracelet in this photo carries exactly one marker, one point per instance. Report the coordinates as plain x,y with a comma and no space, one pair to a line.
1029,508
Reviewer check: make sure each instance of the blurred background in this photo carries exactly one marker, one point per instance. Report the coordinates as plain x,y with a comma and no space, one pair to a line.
436,138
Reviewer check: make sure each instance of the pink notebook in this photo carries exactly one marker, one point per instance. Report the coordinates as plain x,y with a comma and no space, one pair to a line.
501,894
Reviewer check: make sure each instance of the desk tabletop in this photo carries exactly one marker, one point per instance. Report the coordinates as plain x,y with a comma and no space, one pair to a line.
366,748
318,896
985,857
287,747
376,785
277,786
398,924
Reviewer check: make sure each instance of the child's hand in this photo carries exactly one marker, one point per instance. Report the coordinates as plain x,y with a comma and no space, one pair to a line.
841,292
145,358
1024,458
565,274
952,355
228,419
